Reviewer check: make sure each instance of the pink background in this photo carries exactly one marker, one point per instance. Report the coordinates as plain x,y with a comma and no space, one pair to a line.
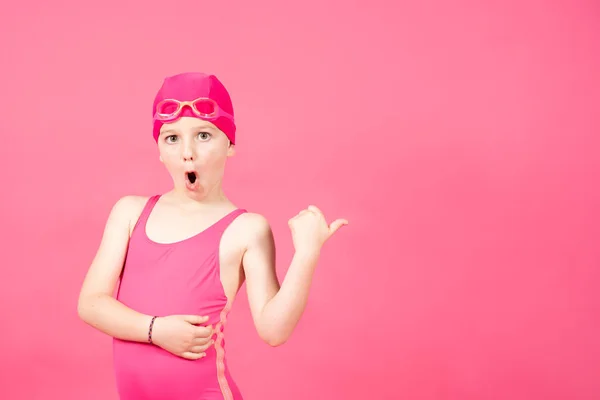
460,140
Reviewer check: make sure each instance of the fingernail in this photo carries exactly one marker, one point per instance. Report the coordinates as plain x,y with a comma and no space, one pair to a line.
203,354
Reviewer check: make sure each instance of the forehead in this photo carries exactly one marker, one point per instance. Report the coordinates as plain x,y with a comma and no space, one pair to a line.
187,124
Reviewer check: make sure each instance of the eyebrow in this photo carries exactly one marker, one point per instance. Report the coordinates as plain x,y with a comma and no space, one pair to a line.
195,128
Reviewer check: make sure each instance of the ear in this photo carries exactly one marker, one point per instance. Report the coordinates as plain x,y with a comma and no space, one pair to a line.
231,150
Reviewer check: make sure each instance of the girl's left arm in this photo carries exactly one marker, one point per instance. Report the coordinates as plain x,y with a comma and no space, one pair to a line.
276,309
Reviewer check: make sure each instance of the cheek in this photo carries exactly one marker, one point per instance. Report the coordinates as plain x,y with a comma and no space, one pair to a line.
169,158
208,156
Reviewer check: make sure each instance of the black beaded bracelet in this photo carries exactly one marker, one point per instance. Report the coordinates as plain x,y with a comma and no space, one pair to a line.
150,329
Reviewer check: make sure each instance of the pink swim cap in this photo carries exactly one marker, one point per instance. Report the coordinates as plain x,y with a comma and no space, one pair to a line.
189,86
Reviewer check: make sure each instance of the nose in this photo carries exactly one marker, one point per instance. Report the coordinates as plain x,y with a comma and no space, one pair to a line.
188,153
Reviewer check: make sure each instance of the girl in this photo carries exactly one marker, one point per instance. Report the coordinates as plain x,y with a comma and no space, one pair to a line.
182,256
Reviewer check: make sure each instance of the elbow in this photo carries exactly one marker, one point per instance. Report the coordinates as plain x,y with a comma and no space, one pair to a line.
85,307
274,331
274,339
275,342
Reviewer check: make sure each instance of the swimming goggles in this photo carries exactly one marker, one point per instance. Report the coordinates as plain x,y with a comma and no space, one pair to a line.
202,107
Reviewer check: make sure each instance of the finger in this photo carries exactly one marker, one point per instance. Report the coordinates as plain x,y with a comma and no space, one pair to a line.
315,209
194,319
203,331
200,349
337,224
193,356
295,217
202,341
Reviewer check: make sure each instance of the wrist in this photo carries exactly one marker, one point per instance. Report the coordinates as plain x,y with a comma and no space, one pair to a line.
151,339
308,252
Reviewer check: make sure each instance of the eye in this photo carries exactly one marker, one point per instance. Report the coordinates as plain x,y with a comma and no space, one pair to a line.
171,139
204,135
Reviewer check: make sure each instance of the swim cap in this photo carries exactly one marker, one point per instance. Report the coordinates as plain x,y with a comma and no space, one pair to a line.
190,86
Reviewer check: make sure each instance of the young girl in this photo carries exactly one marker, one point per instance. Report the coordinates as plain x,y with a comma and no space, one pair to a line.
182,256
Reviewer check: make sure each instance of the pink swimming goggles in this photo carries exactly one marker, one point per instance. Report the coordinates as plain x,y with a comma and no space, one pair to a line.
170,109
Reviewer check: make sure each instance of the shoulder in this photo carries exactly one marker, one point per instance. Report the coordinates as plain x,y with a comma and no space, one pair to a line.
128,209
251,227
130,204
253,222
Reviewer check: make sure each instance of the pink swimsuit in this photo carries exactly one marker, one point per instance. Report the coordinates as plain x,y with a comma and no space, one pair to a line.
167,279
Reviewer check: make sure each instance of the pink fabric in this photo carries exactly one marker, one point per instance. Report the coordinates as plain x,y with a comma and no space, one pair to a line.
166,279
189,86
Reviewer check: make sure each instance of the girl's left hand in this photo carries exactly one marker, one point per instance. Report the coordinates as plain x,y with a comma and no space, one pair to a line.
310,229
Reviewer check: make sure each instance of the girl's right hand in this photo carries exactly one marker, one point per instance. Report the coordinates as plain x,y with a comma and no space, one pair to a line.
181,335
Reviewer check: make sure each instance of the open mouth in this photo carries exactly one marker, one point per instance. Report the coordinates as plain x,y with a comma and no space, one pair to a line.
191,177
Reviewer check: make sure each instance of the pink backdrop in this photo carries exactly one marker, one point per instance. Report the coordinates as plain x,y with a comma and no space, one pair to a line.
461,141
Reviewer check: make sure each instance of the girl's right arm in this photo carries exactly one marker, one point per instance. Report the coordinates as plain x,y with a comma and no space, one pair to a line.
182,335
97,306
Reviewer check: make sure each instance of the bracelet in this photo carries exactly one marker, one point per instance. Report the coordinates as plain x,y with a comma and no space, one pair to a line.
150,329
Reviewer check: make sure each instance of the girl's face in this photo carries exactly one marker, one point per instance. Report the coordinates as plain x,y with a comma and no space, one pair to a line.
194,152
